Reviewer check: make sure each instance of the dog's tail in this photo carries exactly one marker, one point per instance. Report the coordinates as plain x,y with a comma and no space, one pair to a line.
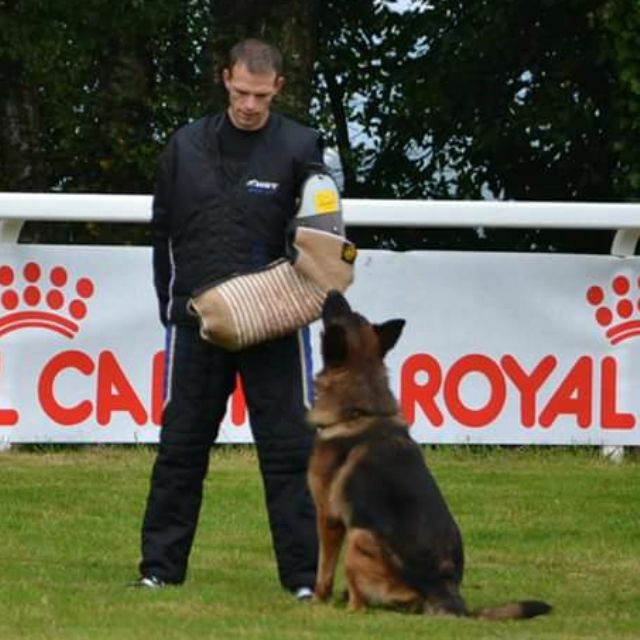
513,611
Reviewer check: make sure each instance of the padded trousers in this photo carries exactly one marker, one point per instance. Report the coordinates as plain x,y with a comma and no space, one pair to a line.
276,378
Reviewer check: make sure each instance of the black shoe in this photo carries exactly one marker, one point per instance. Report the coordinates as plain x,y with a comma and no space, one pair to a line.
148,582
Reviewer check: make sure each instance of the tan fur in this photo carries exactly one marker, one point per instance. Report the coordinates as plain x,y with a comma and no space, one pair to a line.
372,577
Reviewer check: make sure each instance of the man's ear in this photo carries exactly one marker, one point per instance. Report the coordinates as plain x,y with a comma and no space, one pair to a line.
388,334
226,77
279,83
334,346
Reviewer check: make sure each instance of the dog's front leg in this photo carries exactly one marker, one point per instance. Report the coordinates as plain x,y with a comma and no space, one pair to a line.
330,535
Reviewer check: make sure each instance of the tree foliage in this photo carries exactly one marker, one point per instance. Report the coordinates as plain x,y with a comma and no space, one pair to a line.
104,81
473,98
92,90
527,99
516,99
621,22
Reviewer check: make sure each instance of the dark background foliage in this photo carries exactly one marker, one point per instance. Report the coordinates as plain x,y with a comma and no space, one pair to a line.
463,99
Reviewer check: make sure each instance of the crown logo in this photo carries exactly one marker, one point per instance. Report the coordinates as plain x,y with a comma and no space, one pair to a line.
32,298
617,310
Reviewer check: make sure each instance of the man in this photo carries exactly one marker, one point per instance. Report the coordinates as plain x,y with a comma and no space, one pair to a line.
227,187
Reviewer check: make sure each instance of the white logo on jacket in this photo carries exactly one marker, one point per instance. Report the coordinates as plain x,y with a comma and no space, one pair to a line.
261,186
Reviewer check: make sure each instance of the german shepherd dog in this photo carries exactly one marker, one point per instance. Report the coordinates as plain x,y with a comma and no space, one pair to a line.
370,484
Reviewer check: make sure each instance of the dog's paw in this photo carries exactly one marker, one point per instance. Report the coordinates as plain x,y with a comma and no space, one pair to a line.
322,593
355,604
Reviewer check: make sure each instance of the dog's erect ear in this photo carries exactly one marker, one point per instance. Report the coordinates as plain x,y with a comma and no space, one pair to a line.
335,306
388,334
334,346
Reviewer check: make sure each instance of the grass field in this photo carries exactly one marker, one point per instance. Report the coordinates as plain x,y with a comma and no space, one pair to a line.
557,524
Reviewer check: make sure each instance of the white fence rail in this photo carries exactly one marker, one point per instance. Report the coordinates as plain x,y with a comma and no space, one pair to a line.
410,213
454,378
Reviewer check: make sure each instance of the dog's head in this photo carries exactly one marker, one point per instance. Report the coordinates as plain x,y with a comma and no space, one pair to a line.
353,382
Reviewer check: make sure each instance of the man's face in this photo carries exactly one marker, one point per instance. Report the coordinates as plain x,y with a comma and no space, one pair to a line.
250,95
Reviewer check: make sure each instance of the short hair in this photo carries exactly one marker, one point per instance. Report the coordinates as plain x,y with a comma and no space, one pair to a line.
257,56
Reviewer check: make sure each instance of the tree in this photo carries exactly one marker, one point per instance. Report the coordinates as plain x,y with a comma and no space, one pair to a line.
484,98
516,99
621,22
92,90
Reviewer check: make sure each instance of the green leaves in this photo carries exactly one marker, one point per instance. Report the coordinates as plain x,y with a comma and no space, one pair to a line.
464,99
529,99
106,83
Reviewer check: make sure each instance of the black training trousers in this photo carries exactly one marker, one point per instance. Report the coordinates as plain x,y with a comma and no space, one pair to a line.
200,378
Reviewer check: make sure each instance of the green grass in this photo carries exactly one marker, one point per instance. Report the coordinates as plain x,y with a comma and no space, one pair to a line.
557,524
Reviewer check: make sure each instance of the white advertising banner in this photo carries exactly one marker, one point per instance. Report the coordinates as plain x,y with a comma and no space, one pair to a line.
498,348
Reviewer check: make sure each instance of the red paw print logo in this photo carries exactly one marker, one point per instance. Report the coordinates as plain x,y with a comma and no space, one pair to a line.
617,310
35,298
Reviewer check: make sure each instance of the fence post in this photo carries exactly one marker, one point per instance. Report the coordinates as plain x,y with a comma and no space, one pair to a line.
10,231
623,245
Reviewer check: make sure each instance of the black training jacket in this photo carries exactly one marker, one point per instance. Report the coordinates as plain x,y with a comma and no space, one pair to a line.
204,229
